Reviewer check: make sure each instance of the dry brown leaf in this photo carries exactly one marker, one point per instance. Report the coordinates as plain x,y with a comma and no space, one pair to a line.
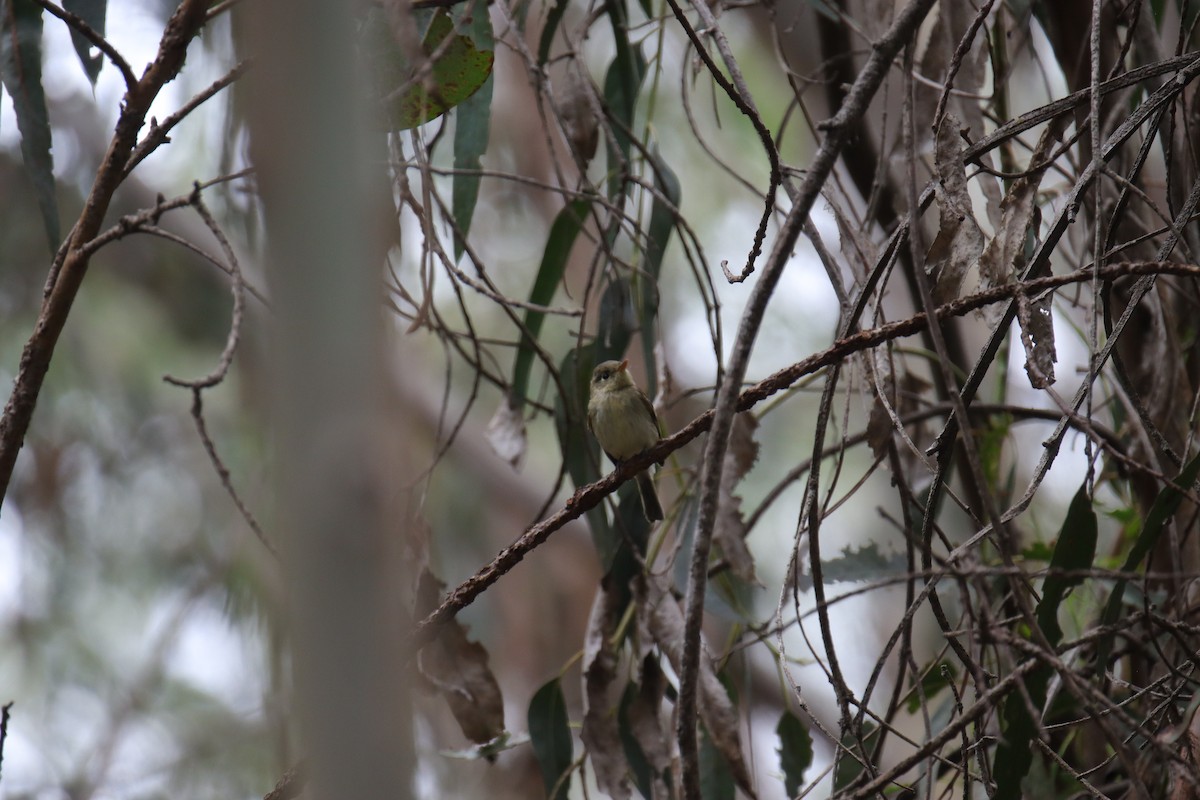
663,619
579,119
648,727
855,247
458,669
959,241
889,408
601,733
506,433
729,528
879,421
1037,335
953,22
1004,255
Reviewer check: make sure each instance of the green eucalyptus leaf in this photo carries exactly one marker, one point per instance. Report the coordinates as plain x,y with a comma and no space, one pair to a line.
563,231
471,129
550,734
21,74
93,13
412,92
551,27
795,751
662,223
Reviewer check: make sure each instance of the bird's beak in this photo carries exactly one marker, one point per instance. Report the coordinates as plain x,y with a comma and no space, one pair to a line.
623,365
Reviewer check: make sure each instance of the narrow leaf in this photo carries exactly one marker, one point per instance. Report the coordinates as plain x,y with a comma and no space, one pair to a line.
552,21
616,322
622,83
662,223
639,764
647,735
472,125
716,779
850,765
92,12
795,751
1165,506
563,231
1075,550
21,74
959,241
550,734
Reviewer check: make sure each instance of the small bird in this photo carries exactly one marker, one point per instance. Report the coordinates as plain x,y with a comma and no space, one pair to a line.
622,419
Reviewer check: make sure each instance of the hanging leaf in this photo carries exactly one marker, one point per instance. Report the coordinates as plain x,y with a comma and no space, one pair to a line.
92,12
645,733
850,764
579,120
729,528
662,617
1165,506
411,91
21,74
458,669
563,231
1004,256
716,779
795,751
550,734
600,733
471,128
959,241
552,21
658,235
615,323
1037,336
1075,550
622,83
506,435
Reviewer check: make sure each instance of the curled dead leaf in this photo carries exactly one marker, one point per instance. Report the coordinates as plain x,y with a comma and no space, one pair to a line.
663,619
601,733
1037,335
506,433
579,120
959,240
729,527
458,669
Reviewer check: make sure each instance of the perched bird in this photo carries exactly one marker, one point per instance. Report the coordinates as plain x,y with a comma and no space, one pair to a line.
622,419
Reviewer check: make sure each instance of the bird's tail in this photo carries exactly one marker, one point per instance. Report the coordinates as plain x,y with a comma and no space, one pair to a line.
650,505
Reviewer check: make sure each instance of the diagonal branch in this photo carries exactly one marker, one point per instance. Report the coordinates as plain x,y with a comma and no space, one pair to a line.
67,276
589,496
